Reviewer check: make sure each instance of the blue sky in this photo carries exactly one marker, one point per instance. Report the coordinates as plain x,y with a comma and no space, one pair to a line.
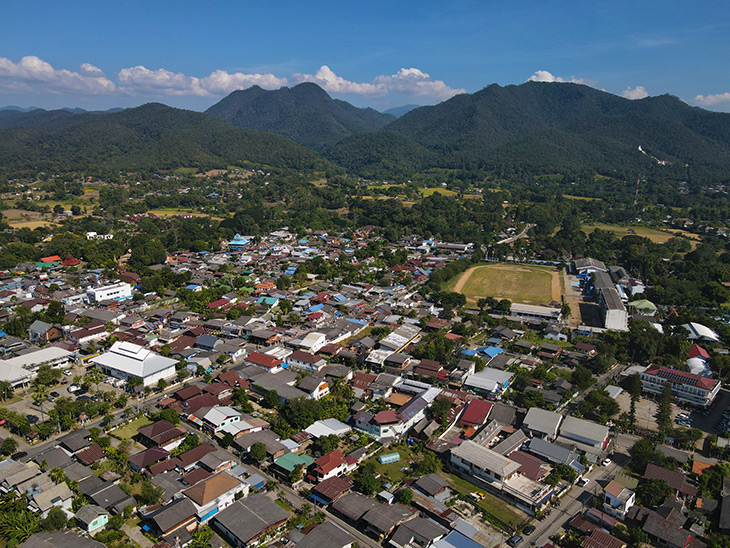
379,54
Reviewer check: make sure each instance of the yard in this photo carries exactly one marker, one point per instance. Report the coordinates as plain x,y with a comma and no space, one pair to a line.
493,506
393,472
518,283
130,430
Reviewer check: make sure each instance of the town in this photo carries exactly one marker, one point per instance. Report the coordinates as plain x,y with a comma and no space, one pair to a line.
263,393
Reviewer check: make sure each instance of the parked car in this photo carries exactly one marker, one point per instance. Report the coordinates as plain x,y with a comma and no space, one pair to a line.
606,462
528,530
55,394
584,481
74,388
515,541
476,495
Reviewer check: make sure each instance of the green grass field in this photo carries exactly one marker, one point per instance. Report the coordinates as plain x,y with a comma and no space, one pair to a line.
443,191
518,283
494,506
130,430
656,236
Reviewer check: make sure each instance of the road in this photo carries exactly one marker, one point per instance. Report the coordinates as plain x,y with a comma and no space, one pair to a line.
575,501
511,239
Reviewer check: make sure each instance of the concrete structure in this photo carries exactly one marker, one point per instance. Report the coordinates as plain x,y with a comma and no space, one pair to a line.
617,499
686,387
115,292
535,312
126,360
542,424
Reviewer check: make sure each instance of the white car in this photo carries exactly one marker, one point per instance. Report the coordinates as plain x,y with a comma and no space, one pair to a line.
606,462
584,481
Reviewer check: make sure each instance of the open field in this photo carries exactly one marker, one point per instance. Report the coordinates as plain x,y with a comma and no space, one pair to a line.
516,282
584,198
171,211
128,431
656,236
443,191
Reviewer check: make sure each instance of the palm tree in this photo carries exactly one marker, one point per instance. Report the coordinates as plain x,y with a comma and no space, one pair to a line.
95,376
40,393
6,390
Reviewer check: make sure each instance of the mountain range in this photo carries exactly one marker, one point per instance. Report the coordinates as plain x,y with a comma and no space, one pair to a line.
304,113
534,125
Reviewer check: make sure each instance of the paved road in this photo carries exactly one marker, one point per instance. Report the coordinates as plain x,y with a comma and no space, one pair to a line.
517,237
576,501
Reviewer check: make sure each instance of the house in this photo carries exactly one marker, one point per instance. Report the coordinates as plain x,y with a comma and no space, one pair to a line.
316,388
304,361
115,292
59,539
676,480
42,332
476,413
286,464
434,486
417,532
148,457
590,436
247,520
91,518
587,266
265,362
176,517
617,499
331,489
473,460
58,495
541,423
126,360
327,535
214,494
490,382
330,465
601,539
162,434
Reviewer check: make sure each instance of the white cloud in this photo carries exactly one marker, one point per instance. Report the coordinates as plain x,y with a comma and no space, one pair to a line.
32,74
329,81
222,82
141,79
408,81
417,83
712,100
639,92
545,76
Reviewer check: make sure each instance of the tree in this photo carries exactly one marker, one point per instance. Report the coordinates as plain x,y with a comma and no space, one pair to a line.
47,375
297,474
95,376
326,444
366,483
405,496
40,394
9,446
55,521
6,390
440,408
272,399
651,492
664,409
428,464
168,415
161,385
134,382
149,493
258,452
202,537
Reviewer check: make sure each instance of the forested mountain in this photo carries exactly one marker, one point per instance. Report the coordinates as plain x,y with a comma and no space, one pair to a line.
152,136
305,113
400,111
552,124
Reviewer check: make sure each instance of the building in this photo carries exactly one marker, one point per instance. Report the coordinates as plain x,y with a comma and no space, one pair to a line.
587,266
265,362
617,499
686,387
115,292
126,360
535,312
316,388
475,461
247,520
91,518
304,361
490,382
590,436
327,535
541,423
162,434
214,494
60,539
612,310
476,413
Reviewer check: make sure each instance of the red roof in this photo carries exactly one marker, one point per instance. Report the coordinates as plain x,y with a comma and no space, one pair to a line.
530,466
386,417
683,377
263,360
90,455
324,465
697,351
476,413
218,304
51,259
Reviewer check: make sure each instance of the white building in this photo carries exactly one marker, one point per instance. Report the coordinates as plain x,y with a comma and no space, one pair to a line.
612,309
126,360
686,387
617,499
535,312
115,292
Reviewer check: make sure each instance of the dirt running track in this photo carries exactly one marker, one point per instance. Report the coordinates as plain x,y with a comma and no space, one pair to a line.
556,289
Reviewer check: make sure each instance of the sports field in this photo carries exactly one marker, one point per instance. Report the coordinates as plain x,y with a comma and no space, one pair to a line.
656,236
519,283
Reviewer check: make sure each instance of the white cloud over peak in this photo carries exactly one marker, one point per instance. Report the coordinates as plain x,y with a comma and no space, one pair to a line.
712,100
329,81
140,79
546,76
33,74
639,92
417,83
222,82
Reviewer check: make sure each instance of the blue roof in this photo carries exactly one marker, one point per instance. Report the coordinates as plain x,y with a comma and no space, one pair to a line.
340,298
3,334
468,352
359,322
191,286
490,351
315,308
456,540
